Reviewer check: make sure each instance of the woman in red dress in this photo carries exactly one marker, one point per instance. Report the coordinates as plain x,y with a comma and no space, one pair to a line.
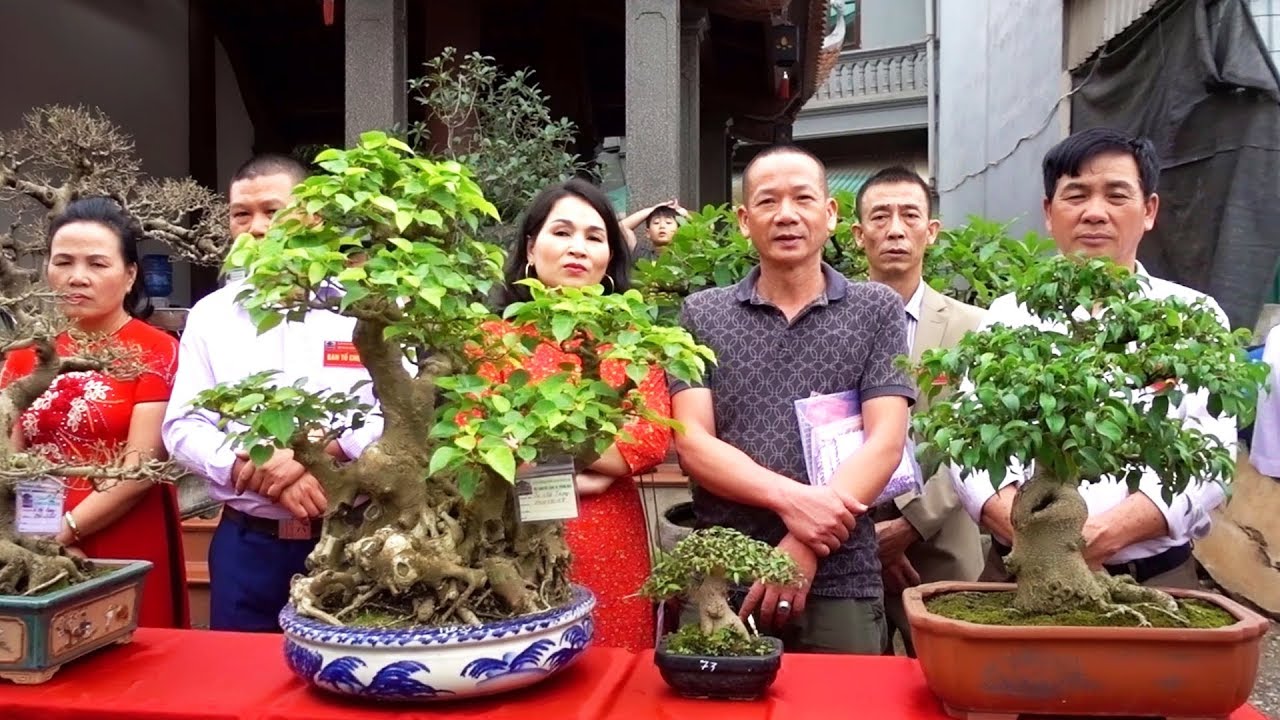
571,237
91,416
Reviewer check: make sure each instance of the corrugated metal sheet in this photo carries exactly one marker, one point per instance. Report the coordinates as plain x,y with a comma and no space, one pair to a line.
1267,15
1091,23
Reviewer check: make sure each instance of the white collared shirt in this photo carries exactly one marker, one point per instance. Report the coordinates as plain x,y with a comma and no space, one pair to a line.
1188,514
221,345
1265,452
914,308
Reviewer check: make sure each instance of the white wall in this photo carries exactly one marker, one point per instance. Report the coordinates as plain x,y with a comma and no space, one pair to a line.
128,58
1000,79
889,23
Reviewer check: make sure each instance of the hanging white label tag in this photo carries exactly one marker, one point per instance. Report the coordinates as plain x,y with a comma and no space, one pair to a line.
39,506
546,492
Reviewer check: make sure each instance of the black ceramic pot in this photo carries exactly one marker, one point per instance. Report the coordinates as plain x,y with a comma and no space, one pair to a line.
721,678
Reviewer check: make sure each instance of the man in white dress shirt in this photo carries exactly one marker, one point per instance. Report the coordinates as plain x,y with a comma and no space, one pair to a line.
271,515
1100,199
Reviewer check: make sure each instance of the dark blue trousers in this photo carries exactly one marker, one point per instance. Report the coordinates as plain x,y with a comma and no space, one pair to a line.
249,574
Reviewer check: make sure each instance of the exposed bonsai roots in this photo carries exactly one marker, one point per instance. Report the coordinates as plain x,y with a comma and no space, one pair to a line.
452,564
31,565
1048,517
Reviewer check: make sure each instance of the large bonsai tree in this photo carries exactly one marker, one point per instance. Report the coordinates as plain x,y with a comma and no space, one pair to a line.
59,155
1088,399
701,568
438,540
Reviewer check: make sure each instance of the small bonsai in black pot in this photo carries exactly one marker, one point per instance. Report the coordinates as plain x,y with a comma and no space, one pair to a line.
717,657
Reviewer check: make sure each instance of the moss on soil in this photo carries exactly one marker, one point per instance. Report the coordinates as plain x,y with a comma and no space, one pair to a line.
995,608
375,618
725,642
96,572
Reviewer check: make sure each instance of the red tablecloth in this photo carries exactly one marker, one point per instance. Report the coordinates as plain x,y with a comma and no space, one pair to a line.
161,674
809,686
202,675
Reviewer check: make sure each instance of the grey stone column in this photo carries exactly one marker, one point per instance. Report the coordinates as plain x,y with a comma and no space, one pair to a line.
654,162
693,28
376,89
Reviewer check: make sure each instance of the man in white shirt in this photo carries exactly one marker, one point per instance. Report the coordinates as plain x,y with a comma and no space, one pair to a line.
922,536
271,516
1264,452
1100,199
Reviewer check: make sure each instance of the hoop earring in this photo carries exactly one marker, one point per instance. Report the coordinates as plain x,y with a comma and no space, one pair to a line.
528,271
612,287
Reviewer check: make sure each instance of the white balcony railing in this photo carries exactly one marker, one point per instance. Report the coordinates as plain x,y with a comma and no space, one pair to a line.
874,76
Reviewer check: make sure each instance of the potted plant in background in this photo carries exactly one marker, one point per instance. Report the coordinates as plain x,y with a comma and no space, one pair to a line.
426,583
497,124
1087,400
55,607
717,657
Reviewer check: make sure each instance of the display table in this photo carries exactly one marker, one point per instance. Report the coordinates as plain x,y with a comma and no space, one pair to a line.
198,675
161,674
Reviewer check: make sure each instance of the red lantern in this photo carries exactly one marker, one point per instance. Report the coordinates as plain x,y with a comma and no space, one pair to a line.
327,6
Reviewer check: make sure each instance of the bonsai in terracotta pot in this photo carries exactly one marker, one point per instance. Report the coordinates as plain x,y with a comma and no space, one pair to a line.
1089,399
717,657
433,577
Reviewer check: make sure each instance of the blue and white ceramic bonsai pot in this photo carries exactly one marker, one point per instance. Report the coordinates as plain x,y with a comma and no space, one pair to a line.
422,663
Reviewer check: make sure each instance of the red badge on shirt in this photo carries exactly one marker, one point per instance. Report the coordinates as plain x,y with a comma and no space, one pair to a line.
340,353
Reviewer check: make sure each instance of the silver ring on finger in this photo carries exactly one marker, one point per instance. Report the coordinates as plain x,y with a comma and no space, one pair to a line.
784,606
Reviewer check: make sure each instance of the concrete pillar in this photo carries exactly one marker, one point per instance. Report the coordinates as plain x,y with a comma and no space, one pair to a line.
654,153
693,28
376,89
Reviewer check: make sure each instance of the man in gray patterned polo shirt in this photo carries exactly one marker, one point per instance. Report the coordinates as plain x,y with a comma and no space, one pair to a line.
793,328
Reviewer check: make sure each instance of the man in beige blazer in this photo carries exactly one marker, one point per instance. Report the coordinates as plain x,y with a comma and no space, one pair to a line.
923,537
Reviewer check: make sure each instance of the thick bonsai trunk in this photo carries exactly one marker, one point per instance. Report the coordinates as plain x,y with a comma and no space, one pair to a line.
714,611
416,551
28,565
1048,517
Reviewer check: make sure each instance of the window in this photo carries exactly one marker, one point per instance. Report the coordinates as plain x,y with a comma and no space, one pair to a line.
852,25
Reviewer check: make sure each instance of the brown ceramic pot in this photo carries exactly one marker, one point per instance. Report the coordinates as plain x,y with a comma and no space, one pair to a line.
986,671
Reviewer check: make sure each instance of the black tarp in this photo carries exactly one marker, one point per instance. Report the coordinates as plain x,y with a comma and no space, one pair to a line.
1194,76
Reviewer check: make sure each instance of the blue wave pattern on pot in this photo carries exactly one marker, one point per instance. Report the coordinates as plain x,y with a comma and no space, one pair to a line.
340,675
530,658
392,664
303,662
396,681
321,632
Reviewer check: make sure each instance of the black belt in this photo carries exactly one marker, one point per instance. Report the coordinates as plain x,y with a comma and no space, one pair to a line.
1141,570
291,529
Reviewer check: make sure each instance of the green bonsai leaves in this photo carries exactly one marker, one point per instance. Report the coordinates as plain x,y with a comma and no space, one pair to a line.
717,552
389,238
1091,397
